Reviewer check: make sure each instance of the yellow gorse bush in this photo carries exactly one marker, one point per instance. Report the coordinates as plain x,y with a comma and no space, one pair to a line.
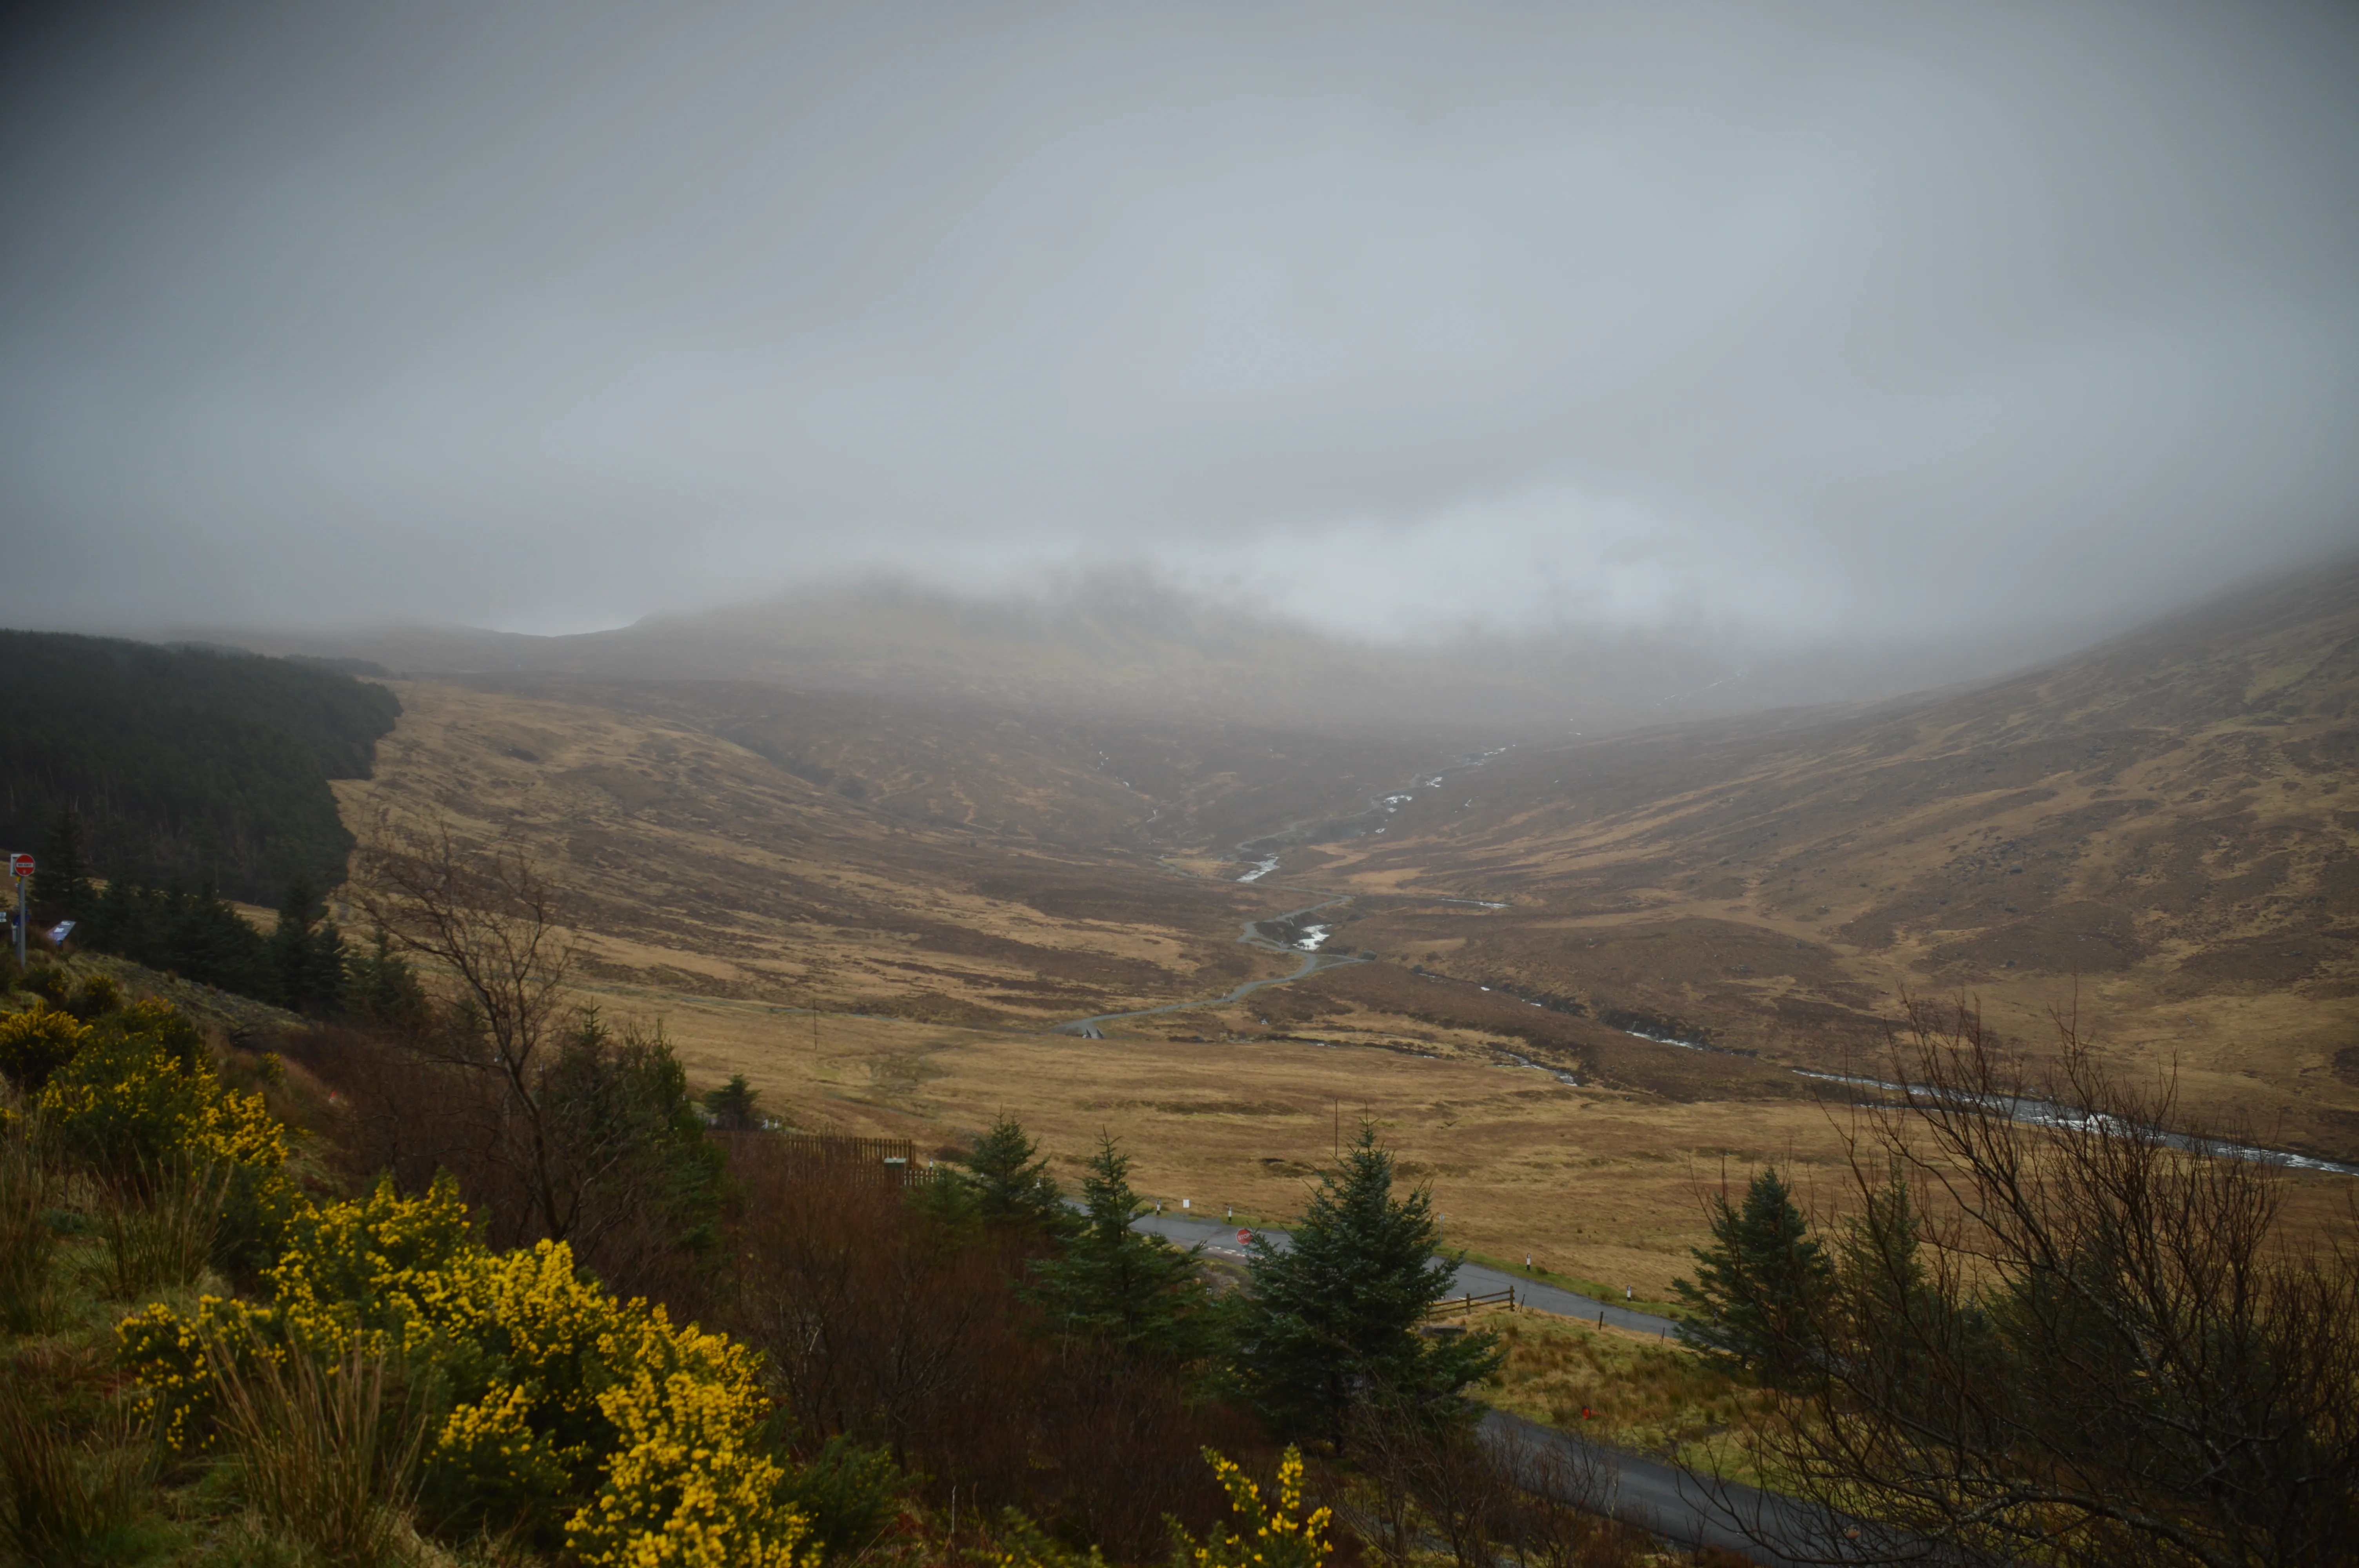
559,1389
687,1489
138,1100
1280,1537
36,1044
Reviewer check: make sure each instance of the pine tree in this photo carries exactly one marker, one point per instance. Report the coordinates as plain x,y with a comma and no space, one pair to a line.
734,1106
61,883
307,954
1756,1284
1331,1326
1005,1185
1880,1258
1134,1290
384,990
1888,1305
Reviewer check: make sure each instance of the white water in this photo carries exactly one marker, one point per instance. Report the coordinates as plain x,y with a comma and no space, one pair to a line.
1665,1040
1260,870
1560,1077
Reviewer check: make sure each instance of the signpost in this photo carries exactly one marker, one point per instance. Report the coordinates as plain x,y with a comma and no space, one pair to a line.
21,867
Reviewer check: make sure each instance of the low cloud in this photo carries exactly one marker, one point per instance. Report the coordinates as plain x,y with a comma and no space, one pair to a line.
1811,323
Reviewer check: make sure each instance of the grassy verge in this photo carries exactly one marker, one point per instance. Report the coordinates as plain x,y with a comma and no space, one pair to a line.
1632,1392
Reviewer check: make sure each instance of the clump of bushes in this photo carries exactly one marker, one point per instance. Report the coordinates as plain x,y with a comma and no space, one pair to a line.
556,1404
133,1097
387,1360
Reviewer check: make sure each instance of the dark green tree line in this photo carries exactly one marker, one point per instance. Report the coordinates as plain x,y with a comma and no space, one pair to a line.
184,762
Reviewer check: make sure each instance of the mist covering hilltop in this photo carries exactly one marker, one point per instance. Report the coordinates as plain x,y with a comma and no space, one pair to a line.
1125,643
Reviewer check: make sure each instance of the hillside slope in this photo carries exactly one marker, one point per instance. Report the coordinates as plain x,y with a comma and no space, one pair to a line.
924,859
2164,827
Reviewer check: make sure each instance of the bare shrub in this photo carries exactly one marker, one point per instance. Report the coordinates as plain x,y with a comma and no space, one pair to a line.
1424,1474
1121,1443
1560,1494
485,918
2065,1329
882,1325
906,1330
1481,1494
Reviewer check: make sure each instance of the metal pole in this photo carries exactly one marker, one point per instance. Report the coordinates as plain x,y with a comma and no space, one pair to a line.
20,924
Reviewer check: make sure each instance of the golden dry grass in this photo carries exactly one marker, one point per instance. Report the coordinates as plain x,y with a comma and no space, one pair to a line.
1595,1183
989,882
1626,1390
2160,834
693,863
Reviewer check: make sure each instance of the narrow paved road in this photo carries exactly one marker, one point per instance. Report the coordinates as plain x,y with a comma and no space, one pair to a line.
1684,1507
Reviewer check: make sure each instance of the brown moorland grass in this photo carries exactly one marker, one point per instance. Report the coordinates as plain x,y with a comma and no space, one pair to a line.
2160,830
1596,1183
739,852
692,863
1630,1390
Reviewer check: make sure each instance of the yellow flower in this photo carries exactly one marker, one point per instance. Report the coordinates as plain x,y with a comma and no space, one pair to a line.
1294,1539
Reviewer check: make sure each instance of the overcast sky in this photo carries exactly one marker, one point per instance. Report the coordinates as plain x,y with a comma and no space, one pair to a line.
1799,319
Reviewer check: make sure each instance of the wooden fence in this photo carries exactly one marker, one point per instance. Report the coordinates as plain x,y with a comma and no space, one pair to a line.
823,1157
1464,1306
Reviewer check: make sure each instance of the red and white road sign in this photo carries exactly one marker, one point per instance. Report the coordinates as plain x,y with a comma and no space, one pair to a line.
1244,1237
20,865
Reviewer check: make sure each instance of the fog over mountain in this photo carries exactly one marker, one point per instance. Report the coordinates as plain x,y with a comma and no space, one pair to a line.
1814,331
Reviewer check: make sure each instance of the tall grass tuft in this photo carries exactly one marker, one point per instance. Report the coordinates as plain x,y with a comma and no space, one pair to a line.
28,1186
67,1498
323,1452
161,1228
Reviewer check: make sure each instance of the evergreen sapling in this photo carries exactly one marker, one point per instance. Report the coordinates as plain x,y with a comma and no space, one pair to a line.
1331,1326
